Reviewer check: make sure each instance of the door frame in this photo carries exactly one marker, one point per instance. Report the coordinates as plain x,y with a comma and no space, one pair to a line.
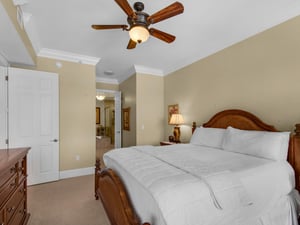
3,107
117,99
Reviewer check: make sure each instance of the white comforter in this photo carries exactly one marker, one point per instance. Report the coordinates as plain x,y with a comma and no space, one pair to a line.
194,185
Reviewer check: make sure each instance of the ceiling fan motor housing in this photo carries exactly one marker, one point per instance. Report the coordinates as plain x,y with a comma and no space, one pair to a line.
140,18
138,6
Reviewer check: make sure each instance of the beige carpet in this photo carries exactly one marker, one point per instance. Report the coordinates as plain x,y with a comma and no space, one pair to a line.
65,202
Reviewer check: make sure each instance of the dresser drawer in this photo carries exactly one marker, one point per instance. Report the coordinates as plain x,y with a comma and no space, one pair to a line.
1,217
13,203
8,173
8,188
13,187
20,214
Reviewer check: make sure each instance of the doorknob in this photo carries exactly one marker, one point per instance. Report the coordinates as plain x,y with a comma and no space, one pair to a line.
54,140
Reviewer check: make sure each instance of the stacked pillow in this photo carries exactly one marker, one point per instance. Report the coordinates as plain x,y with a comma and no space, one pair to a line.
210,137
264,144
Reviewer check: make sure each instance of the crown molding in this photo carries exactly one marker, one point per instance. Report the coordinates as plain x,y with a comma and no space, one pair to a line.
68,56
148,70
133,70
107,80
20,2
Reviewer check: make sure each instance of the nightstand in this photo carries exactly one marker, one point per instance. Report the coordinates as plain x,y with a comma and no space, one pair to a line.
167,143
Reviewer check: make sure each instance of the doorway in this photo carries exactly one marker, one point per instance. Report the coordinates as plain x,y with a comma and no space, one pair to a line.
108,121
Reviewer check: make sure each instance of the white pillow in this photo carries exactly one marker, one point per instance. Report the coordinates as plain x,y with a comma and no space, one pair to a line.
264,144
206,136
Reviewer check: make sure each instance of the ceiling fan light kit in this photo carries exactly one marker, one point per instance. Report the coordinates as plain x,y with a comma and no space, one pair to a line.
139,22
139,34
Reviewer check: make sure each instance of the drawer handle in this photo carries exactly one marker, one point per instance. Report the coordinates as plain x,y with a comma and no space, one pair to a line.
12,184
22,190
11,209
13,170
22,211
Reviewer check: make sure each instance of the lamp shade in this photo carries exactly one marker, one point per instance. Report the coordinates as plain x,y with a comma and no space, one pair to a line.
139,34
176,119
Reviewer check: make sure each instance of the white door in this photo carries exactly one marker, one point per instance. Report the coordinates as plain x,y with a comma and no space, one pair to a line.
3,108
118,127
34,122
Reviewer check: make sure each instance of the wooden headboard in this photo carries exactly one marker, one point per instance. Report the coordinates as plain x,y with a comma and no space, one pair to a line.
246,121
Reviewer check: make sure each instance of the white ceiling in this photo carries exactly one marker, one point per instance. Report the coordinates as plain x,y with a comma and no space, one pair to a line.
11,45
63,27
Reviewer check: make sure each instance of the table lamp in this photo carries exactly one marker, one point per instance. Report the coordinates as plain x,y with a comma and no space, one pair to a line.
176,119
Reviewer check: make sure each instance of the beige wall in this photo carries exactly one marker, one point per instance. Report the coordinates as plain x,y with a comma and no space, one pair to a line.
77,103
77,90
261,75
145,96
104,86
129,95
150,109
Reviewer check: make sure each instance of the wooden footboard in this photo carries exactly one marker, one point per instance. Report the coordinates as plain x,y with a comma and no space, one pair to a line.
110,189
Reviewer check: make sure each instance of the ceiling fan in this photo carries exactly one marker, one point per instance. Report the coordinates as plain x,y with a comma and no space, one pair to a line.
140,21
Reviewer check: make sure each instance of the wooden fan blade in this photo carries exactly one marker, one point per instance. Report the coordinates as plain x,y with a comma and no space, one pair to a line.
171,10
104,27
162,35
131,44
126,7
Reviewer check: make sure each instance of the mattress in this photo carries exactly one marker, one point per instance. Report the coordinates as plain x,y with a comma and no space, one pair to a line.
187,184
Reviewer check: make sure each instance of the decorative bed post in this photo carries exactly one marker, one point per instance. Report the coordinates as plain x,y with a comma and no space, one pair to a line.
97,171
294,152
194,126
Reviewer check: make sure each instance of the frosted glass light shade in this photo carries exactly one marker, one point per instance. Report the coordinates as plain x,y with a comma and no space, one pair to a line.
100,97
139,34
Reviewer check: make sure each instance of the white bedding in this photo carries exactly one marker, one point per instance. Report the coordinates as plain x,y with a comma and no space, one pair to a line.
186,184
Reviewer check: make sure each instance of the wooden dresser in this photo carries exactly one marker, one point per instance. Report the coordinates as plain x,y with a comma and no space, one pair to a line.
13,187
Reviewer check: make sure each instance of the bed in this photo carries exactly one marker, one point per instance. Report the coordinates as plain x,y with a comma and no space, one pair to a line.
162,186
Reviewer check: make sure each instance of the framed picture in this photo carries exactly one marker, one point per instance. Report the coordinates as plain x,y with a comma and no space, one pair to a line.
97,115
172,109
126,118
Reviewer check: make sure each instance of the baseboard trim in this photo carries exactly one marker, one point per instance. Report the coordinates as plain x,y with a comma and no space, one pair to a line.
76,172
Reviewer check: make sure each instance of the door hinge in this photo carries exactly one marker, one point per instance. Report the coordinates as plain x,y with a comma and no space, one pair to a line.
6,78
6,141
